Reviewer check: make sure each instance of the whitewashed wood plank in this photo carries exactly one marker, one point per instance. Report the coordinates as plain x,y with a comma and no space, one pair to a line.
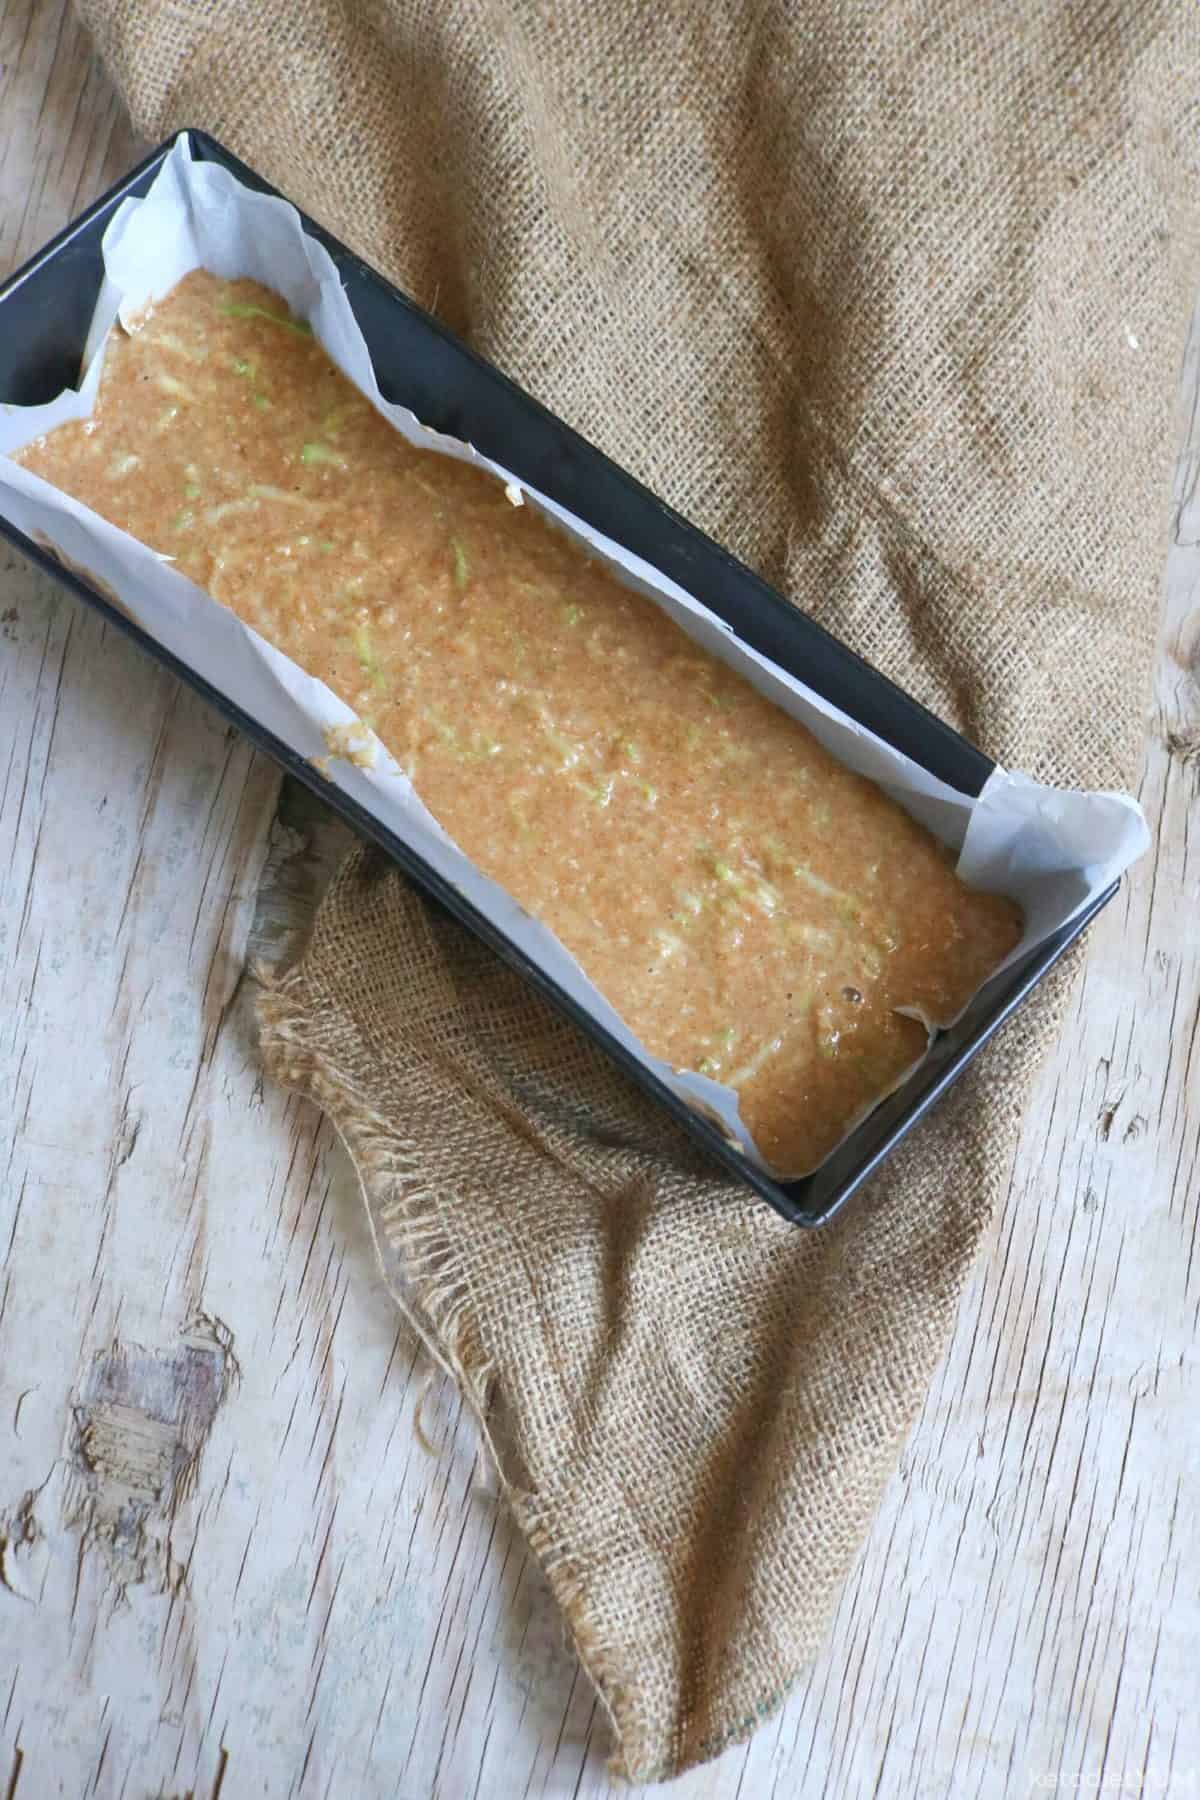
64,136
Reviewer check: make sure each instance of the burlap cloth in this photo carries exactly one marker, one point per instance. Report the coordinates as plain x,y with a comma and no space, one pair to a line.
890,300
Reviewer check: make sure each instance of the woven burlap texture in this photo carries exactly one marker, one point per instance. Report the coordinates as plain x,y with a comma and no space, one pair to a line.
890,300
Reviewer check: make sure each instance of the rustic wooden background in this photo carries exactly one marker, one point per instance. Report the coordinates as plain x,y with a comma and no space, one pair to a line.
227,1564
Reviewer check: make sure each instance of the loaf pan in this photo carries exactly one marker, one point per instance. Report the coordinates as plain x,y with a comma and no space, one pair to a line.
45,311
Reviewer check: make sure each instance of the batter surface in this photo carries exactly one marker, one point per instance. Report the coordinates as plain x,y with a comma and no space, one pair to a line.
752,909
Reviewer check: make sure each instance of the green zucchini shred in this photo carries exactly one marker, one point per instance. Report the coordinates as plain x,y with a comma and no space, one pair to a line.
321,453
246,309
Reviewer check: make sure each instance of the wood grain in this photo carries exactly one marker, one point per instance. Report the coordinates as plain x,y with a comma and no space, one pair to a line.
227,1564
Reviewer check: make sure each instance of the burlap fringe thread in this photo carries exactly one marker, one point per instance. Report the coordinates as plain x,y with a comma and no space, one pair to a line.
438,1305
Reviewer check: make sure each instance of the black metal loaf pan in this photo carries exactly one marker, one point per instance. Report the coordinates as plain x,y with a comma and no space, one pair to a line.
45,310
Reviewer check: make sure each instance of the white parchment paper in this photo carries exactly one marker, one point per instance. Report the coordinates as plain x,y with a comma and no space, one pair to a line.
1052,851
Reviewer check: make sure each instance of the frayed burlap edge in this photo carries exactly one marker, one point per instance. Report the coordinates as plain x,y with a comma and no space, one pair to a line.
437,1307
403,1218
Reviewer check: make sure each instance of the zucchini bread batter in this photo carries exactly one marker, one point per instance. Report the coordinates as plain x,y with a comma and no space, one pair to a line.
752,909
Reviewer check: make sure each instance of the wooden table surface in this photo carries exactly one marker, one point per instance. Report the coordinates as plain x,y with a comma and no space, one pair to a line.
227,1563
